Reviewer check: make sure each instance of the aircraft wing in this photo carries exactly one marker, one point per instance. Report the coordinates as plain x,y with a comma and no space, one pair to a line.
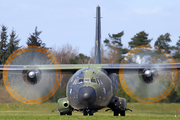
64,68
110,68
133,68
142,72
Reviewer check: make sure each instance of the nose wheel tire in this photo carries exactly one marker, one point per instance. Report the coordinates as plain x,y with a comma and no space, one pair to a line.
91,113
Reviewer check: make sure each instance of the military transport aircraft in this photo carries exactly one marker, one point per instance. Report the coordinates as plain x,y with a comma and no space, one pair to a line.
92,86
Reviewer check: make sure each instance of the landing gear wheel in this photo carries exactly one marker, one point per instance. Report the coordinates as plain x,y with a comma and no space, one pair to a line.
91,113
61,113
116,113
85,113
69,113
122,113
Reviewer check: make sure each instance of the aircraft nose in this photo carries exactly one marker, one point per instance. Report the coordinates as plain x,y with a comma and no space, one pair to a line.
87,95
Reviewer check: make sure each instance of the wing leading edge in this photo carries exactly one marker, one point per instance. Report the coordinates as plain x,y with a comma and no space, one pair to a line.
109,68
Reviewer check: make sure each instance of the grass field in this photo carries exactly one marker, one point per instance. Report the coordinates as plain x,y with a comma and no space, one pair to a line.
20,111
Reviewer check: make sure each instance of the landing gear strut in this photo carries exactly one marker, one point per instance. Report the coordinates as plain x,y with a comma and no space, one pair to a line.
86,112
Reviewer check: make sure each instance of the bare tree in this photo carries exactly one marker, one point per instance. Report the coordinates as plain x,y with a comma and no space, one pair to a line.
108,56
64,53
92,52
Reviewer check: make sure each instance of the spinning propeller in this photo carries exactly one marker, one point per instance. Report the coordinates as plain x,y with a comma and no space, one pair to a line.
151,76
25,78
32,74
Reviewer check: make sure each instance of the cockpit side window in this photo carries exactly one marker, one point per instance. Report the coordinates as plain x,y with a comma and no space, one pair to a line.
81,80
98,81
78,81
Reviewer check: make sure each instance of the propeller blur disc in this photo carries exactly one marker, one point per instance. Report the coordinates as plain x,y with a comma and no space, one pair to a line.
31,84
152,82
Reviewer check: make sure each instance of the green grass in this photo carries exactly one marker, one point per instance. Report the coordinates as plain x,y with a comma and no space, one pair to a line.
20,111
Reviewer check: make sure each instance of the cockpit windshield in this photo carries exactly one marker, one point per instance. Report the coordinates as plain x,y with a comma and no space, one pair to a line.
81,80
93,80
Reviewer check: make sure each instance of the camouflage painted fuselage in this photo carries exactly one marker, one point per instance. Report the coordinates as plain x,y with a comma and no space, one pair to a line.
89,89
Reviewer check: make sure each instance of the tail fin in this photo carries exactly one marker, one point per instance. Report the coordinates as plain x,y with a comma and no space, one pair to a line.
98,59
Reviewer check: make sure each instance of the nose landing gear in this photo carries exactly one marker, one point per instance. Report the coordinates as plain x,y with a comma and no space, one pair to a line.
86,112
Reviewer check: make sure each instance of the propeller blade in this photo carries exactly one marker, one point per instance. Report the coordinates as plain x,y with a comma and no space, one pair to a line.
29,84
152,81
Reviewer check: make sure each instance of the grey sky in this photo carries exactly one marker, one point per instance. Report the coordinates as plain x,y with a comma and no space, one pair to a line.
73,22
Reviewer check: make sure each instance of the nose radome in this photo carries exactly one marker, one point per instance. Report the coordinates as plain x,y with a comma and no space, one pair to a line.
87,95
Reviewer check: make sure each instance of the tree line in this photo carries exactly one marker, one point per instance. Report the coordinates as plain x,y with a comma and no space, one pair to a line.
162,43
113,46
8,44
112,50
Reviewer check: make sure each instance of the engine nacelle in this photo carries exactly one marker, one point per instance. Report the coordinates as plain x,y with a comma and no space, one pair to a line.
64,106
123,103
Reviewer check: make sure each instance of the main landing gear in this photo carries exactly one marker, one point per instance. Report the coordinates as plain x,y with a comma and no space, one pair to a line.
68,113
122,113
